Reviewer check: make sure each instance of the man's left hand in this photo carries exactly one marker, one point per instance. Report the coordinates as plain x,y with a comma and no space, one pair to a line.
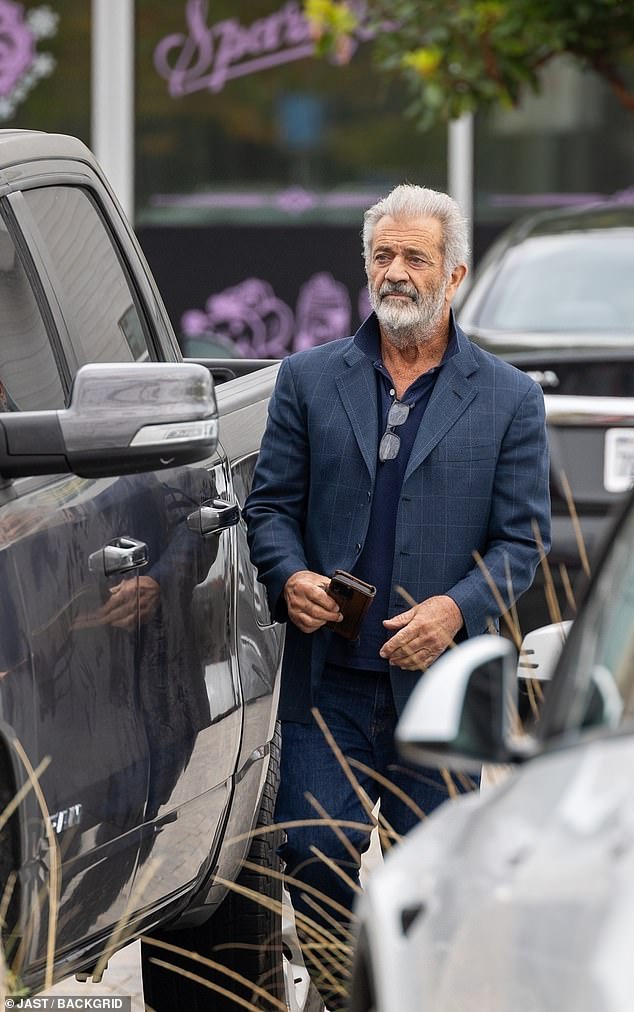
422,633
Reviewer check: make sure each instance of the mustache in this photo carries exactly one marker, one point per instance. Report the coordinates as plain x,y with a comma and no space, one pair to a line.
398,288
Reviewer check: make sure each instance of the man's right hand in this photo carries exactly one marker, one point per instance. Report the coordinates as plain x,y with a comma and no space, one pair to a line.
309,605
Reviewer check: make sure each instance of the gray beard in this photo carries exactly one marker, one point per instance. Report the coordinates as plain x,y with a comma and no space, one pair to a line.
407,324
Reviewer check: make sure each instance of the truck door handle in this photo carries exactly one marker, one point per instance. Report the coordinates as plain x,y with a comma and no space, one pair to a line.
119,556
214,517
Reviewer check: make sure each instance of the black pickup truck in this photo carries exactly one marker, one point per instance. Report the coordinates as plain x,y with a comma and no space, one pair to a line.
139,664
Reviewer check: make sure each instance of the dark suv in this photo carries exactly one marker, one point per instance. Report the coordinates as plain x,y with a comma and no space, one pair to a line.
139,663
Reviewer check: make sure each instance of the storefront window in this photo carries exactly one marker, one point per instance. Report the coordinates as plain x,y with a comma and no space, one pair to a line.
254,160
237,121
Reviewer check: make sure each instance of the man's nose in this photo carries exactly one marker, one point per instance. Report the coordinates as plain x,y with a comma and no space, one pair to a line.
396,270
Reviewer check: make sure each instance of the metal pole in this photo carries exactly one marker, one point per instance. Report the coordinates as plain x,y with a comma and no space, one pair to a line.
460,165
112,118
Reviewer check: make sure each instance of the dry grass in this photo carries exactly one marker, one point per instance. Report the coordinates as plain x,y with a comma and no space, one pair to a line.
327,943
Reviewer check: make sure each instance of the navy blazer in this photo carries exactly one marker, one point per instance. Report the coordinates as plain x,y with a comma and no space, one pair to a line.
476,484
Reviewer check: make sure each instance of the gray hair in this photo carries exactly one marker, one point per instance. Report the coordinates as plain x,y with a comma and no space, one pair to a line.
409,201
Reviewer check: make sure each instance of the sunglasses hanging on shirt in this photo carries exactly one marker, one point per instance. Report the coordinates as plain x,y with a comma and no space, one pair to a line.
390,440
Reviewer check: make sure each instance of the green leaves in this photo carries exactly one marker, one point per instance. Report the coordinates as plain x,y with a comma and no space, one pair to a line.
332,24
459,55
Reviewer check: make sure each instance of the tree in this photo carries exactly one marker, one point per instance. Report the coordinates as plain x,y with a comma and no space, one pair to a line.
460,55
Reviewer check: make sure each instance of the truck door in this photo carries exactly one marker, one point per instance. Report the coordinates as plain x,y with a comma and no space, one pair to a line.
190,690
68,691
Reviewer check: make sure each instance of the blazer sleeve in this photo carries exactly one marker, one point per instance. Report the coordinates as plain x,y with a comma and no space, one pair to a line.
276,506
519,522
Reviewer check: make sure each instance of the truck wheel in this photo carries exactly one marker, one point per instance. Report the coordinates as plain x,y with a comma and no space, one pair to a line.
9,861
243,935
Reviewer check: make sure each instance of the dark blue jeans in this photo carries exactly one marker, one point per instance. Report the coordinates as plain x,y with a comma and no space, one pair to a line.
358,709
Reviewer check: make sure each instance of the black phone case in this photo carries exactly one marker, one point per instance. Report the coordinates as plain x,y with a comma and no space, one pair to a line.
354,597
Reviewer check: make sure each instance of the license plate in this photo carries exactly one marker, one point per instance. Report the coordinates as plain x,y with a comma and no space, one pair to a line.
618,460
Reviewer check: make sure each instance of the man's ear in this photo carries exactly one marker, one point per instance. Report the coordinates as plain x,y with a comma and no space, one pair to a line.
456,278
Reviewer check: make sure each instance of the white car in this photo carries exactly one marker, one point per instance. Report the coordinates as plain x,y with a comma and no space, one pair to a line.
519,898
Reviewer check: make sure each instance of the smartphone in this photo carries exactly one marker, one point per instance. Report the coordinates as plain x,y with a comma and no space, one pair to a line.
354,597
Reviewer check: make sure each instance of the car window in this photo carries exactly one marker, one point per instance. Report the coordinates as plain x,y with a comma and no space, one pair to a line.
97,299
594,685
29,377
577,281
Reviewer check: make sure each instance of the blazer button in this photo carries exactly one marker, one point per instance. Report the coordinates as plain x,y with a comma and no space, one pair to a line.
358,547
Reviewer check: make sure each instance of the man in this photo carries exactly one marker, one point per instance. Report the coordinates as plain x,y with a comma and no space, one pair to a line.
419,462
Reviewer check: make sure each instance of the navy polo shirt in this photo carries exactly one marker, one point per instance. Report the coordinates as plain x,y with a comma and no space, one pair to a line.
375,562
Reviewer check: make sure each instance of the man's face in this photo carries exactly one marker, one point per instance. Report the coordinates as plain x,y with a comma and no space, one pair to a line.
408,287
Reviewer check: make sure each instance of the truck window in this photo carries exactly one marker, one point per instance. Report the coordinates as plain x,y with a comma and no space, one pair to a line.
98,301
29,377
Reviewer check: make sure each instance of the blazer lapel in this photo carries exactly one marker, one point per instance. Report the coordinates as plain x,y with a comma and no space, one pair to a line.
452,395
357,389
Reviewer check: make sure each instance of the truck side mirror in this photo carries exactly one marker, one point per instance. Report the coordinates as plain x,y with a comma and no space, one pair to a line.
123,418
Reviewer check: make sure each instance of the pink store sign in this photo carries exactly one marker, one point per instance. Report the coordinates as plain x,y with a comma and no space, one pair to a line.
208,54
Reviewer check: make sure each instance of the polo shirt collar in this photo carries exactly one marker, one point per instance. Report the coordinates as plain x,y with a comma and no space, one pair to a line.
368,340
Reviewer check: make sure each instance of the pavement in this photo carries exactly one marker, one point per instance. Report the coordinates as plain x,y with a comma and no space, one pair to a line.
121,979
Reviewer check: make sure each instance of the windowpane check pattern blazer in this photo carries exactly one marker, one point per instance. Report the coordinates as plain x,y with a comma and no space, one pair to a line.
475,487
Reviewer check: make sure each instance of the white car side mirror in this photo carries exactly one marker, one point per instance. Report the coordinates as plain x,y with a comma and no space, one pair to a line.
540,651
463,710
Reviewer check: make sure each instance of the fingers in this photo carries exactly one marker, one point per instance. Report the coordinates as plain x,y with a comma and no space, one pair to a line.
409,646
309,605
121,609
428,630
130,602
149,597
412,653
399,621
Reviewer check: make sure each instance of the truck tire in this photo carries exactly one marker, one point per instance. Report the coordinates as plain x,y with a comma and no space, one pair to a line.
9,859
243,935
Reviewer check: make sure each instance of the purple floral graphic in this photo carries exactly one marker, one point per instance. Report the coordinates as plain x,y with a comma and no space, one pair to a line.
17,45
364,306
250,317
21,66
323,311
258,323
